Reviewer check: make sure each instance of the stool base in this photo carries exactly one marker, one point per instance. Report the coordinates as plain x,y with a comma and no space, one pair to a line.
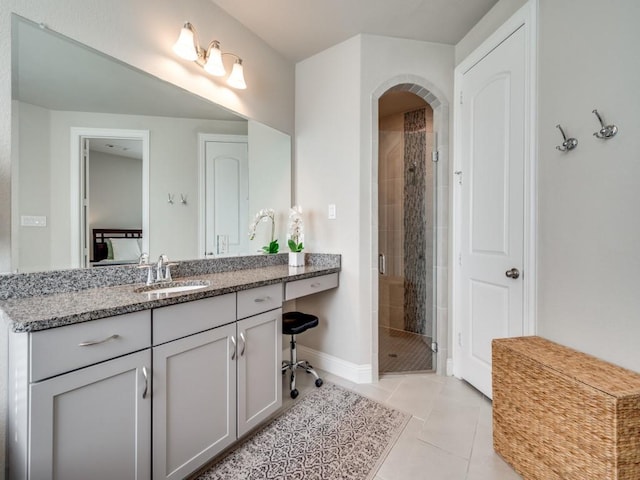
293,364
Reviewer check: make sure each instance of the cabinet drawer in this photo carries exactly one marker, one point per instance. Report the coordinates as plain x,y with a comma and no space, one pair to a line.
177,321
300,288
258,300
63,349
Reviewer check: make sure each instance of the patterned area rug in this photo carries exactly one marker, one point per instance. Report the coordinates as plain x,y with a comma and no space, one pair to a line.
330,434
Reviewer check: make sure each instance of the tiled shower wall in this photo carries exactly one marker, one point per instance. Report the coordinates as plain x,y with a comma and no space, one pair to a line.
418,223
406,185
391,213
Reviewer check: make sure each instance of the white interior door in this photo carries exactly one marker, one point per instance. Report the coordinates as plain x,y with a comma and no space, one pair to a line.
226,197
493,119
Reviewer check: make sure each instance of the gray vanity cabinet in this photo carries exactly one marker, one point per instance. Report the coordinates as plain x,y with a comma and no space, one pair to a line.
215,376
93,423
259,362
194,404
194,389
80,401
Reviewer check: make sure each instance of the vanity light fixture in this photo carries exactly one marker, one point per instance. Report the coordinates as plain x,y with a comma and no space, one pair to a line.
188,47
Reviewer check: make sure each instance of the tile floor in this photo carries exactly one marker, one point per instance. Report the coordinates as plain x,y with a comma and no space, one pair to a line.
449,435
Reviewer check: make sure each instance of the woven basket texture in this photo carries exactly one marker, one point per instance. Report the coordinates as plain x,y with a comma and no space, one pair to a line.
562,414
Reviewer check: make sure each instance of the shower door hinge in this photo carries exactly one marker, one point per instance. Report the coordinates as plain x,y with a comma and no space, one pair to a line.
435,156
434,347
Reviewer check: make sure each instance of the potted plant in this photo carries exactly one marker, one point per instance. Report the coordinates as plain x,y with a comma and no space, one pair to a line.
265,215
296,256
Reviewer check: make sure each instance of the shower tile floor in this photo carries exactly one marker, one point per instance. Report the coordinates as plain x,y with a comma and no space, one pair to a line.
401,352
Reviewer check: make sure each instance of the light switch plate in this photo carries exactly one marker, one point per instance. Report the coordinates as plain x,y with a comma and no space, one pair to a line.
33,221
332,211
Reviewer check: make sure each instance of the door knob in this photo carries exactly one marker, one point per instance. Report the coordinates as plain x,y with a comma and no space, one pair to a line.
513,273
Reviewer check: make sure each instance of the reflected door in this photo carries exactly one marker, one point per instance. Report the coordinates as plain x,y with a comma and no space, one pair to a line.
492,206
226,197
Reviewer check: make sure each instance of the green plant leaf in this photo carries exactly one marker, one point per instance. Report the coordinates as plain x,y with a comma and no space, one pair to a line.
273,247
295,247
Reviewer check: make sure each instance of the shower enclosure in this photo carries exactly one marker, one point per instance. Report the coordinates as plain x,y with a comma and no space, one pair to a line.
406,234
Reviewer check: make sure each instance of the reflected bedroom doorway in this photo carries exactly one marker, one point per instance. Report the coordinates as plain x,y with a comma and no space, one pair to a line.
111,190
406,234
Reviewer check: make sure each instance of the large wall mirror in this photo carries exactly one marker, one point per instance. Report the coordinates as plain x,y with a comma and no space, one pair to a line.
103,150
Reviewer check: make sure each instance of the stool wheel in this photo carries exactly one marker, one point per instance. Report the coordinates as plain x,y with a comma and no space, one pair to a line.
319,382
294,393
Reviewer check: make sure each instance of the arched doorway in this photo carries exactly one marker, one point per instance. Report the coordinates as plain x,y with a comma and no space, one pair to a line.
411,205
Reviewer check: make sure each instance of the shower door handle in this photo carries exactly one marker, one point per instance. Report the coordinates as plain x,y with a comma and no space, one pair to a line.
382,264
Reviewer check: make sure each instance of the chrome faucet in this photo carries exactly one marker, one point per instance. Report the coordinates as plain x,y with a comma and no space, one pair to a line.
143,262
162,268
161,261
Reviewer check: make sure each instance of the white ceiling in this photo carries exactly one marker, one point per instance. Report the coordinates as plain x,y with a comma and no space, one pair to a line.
299,29
121,147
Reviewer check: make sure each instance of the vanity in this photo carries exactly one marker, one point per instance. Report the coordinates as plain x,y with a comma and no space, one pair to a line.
121,381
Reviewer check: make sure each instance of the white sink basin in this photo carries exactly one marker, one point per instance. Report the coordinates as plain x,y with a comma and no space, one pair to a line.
167,288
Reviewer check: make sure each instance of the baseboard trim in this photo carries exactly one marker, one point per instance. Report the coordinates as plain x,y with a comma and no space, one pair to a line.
449,371
334,365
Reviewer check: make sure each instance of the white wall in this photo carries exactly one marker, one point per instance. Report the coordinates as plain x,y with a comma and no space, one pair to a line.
334,165
141,33
589,288
327,171
589,232
34,198
115,191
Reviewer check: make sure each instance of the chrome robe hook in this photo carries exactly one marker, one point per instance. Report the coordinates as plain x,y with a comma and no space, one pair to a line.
568,143
607,131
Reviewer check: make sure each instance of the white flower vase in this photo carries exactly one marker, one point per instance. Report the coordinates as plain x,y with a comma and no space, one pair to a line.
296,259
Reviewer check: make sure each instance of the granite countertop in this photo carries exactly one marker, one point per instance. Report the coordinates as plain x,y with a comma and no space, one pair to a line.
34,313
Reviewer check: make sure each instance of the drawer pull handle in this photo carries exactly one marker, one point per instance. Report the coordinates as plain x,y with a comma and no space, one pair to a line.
244,343
145,374
233,341
98,342
315,285
262,299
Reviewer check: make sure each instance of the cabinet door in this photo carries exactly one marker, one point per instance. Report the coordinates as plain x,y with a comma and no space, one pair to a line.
259,368
194,403
93,423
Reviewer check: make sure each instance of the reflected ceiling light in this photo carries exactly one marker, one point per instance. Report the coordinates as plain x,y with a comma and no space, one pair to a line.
188,47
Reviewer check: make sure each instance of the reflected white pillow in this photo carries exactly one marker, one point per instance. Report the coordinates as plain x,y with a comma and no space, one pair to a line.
125,248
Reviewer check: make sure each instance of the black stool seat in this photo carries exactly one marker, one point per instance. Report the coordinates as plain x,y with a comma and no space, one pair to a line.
294,323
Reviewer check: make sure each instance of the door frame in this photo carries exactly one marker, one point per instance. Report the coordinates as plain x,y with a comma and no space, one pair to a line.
203,138
78,134
525,17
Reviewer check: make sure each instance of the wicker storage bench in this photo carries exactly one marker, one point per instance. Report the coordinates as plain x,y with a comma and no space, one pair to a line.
561,414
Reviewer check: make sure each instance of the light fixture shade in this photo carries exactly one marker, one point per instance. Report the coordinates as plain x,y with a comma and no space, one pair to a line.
236,79
185,46
214,64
